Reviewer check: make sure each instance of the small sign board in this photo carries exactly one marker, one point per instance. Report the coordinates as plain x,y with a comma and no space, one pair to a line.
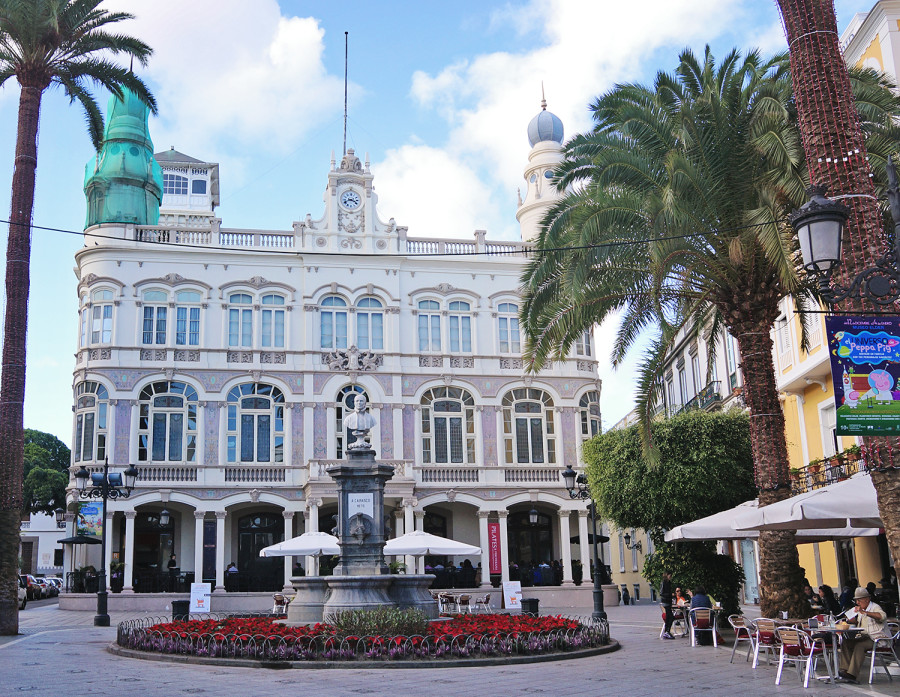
360,503
512,595
494,547
865,368
200,594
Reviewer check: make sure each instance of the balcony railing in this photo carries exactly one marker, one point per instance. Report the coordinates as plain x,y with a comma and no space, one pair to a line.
816,476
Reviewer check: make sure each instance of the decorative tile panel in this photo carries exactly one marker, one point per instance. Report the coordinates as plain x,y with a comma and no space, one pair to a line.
123,430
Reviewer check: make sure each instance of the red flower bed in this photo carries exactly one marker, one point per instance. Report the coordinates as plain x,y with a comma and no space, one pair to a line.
476,625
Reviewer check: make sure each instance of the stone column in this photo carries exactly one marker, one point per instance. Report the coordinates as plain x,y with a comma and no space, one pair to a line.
408,526
420,525
288,561
220,552
108,541
198,546
312,511
129,552
485,548
504,547
584,547
565,546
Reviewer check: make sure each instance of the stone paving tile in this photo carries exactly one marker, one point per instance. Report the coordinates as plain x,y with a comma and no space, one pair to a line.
63,654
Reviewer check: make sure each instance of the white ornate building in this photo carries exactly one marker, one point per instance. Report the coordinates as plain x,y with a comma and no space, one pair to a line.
220,362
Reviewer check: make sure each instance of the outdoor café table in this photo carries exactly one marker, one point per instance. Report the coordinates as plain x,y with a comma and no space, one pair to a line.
834,631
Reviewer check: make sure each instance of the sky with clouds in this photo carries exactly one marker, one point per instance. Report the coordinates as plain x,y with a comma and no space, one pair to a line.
440,95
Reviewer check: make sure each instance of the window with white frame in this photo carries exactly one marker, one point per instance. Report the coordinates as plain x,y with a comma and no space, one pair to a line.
255,424
155,315
333,318
448,426
529,434
682,386
731,362
583,343
240,320
670,394
84,317
101,316
91,422
429,319
589,410
508,327
460,327
695,374
187,318
167,422
369,324
272,321
828,421
175,184
344,404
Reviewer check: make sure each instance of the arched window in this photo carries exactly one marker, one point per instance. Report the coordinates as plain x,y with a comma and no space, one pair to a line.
272,321
429,326
101,314
333,315
448,426
529,436
167,422
240,320
91,422
255,424
508,324
369,324
344,405
460,327
187,318
589,409
156,309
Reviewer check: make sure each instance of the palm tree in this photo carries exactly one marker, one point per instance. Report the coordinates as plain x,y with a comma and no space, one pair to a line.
675,218
43,43
825,101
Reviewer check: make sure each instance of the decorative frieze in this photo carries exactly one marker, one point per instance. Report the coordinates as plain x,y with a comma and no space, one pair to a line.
462,362
274,357
352,359
240,357
104,354
511,364
187,356
431,361
154,354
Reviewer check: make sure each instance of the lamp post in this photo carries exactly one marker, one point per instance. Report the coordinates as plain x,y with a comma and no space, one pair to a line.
578,489
628,544
819,225
104,486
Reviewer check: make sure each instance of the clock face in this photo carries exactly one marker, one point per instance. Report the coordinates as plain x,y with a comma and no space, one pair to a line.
350,199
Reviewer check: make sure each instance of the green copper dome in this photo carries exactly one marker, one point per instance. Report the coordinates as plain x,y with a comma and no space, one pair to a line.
122,182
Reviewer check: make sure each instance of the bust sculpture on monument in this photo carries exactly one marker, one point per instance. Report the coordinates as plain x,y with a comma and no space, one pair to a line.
360,422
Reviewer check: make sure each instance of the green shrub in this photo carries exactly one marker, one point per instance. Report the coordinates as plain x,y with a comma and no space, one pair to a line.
384,621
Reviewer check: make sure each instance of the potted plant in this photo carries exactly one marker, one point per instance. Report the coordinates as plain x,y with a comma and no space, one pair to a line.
795,473
397,567
815,465
853,453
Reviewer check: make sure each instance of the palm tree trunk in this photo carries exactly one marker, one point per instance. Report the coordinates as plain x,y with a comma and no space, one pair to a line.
829,127
12,380
780,576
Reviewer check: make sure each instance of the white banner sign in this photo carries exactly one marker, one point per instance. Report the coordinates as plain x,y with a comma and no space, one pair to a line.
360,503
512,595
200,593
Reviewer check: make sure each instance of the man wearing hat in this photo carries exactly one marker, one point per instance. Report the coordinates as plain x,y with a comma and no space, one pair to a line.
870,617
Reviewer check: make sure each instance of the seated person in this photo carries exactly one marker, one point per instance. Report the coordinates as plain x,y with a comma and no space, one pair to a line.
830,604
680,599
699,599
871,618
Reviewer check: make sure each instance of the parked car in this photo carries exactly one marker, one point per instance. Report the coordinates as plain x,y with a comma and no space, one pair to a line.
23,594
50,589
33,589
56,581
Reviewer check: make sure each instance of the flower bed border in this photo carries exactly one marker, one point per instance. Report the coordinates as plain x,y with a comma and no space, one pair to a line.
590,638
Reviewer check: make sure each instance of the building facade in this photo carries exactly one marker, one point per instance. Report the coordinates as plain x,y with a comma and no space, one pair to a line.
221,363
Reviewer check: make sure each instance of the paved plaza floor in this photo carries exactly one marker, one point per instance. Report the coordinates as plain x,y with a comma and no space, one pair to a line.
60,653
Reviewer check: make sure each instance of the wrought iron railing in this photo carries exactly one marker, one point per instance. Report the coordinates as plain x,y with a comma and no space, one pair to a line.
815,476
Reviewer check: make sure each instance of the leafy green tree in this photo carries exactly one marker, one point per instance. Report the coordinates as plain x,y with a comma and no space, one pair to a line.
35,457
675,218
58,453
45,490
66,43
705,466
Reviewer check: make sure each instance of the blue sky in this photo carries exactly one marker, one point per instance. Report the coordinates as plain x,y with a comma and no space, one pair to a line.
440,96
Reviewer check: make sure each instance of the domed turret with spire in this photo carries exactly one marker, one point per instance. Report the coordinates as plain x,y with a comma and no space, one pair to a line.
545,134
122,182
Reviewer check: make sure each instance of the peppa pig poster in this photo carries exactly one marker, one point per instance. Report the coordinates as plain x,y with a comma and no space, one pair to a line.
865,369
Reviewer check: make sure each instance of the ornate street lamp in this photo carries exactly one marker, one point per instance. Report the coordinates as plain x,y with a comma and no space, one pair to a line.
819,225
164,518
578,489
629,546
533,516
60,515
105,485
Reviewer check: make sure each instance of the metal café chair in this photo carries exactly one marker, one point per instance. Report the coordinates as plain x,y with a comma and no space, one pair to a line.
743,631
766,639
464,604
483,604
884,651
703,619
799,647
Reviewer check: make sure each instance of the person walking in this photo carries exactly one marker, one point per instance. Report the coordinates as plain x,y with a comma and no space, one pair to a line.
870,617
665,601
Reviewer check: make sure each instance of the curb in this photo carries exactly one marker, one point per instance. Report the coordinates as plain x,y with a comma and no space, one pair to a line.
362,665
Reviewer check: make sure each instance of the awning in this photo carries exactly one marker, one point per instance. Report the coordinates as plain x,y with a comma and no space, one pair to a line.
419,542
308,544
80,540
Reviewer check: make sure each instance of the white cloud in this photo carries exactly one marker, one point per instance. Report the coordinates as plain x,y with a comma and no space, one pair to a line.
229,75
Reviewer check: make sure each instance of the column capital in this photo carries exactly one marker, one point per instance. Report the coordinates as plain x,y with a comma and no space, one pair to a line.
483,514
583,512
563,513
221,515
419,514
288,515
313,503
502,514
199,515
398,514
410,502
130,515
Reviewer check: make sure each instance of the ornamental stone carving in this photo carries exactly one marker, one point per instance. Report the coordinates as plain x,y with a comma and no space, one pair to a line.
462,362
105,354
352,359
586,365
274,357
351,222
431,361
511,364
348,243
240,357
153,354
187,356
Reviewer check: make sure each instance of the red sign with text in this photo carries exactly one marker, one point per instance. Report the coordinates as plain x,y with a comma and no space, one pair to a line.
494,547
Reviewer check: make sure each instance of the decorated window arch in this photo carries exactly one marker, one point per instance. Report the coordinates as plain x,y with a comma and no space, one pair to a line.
529,430
91,422
254,432
167,422
448,426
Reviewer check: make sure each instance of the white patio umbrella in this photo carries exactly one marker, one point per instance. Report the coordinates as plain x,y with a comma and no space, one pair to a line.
309,544
721,526
419,542
848,503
